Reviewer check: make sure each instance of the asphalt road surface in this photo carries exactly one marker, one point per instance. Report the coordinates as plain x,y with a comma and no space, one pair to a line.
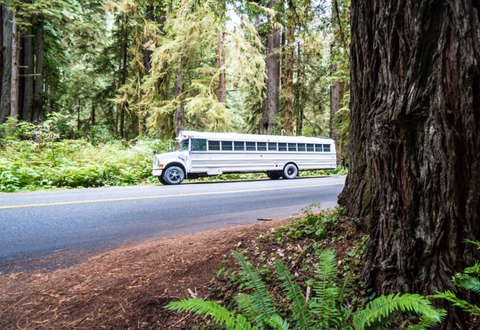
39,225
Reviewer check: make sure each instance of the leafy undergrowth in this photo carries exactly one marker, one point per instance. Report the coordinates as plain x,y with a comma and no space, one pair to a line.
30,165
299,246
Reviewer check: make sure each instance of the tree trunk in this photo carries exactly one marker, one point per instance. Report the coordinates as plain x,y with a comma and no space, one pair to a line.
272,62
180,113
289,68
124,78
7,17
14,109
1,60
414,177
40,55
29,71
93,115
334,104
222,89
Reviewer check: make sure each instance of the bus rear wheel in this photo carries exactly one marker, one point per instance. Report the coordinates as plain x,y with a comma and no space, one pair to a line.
173,175
290,171
274,175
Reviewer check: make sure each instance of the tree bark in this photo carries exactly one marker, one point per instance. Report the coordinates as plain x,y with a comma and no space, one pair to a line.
272,62
40,55
7,17
29,80
15,88
414,177
222,89
180,113
334,104
93,115
289,69
1,60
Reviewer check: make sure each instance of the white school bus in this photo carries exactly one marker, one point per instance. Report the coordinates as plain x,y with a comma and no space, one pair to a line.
205,154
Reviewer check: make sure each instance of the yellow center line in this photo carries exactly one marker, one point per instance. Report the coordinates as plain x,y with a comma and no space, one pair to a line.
165,196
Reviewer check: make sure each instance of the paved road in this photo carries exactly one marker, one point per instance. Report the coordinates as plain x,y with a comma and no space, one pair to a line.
41,224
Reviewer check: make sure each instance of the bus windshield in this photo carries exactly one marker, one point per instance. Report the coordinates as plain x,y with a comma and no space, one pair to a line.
184,145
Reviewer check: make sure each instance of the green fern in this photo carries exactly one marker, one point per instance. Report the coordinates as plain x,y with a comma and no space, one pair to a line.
260,302
277,323
219,314
382,308
327,294
298,306
465,306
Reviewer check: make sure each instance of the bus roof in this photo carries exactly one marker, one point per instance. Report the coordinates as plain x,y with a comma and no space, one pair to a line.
252,137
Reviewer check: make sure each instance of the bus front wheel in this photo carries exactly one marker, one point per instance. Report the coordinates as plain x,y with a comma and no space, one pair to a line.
290,171
173,175
274,175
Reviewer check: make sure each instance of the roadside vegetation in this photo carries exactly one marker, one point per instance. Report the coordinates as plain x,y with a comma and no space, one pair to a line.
306,275
34,157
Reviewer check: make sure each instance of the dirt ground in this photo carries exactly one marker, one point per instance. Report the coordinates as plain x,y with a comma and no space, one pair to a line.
124,288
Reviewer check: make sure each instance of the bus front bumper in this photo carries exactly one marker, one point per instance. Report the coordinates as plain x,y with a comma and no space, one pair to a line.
157,172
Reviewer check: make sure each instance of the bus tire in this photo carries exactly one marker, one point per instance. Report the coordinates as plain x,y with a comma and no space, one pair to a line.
274,175
162,181
290,171
173,175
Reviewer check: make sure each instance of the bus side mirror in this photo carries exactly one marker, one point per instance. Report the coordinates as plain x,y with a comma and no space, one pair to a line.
154,152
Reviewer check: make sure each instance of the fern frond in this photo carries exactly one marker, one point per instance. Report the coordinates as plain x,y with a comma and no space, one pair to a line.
467,282
385,306
475,269
244,302
326,292
261,301
219,314
298,306
277,323
425,322
477,243
450,296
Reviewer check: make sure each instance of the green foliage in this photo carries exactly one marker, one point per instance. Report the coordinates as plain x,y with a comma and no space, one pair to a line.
324,311
219,314
29,165
469,279
379,312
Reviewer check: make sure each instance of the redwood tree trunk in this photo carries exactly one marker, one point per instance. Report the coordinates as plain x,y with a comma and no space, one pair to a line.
7,18
40,54
180,113
29,70
272,62
334,104
414,175
15,88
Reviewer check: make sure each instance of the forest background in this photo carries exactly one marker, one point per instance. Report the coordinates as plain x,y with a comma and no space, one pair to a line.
89,87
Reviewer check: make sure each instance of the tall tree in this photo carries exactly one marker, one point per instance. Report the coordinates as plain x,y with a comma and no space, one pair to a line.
7,17
414,175
272,62
15,84
40,56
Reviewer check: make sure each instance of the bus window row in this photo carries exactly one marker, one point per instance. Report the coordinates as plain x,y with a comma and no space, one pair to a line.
201,145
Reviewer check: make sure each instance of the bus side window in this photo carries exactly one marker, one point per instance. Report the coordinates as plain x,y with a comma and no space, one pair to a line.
282,147
326,147
310,148
227,146
239,146
318,148
200,145
301,147
292,147
213,145
262,146
272,146
251,146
